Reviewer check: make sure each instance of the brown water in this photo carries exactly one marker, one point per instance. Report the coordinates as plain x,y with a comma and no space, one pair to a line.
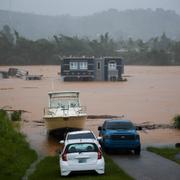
151,94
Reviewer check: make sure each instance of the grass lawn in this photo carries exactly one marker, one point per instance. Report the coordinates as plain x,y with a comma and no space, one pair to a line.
166,152
15,153
48,169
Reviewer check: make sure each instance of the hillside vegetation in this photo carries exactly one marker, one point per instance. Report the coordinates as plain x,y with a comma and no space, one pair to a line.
15,153
18,50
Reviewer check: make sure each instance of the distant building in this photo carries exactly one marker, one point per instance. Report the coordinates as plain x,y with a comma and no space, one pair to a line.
92,69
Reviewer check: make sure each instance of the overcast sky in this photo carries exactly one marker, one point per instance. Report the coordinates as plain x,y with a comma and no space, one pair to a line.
84,7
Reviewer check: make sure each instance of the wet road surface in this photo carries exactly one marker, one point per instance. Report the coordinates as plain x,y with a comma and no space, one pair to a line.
148,166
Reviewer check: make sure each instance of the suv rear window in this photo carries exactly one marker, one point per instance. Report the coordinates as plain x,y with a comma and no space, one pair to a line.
119,125
81,147
81,136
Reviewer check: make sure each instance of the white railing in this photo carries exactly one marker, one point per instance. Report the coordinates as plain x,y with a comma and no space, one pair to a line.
65,111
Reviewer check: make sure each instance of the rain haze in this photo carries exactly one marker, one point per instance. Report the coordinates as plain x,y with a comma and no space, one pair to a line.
122,56
84,7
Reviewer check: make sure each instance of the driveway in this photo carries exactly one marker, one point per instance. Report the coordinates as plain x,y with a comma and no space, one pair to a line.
148,166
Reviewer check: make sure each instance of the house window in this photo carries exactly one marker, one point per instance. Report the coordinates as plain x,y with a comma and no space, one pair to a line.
83,65
99,65
112,66
73,65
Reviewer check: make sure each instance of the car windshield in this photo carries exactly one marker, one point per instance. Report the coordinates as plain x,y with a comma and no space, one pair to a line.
81,147
81,136
120,125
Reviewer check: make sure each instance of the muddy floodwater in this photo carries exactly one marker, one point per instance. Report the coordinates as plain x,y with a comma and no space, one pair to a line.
151,94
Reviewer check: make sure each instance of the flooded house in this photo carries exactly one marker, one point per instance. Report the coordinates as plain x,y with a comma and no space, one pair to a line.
92,69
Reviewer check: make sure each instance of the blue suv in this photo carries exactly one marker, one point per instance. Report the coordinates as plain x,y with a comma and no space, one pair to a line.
119,135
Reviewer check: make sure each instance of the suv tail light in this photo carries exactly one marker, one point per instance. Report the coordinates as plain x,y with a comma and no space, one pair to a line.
64,156
99,153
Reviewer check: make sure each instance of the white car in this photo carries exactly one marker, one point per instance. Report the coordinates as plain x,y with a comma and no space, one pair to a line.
81,155
83,134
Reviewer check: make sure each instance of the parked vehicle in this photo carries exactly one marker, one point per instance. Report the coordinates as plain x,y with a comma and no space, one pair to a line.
119,135
84,134
81,155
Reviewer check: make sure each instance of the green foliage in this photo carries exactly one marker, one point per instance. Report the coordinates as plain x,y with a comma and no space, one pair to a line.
176,121
15,153
166,152
17,50
3,113
7,33
16,116
48,169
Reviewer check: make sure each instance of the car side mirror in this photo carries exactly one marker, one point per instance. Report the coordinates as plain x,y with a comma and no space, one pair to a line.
139,128
99,128
99,138
61,142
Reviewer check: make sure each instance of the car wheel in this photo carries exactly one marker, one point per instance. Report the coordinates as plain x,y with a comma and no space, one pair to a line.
137,151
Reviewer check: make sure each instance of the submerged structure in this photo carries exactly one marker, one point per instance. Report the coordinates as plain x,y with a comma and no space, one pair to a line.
92,69
4,75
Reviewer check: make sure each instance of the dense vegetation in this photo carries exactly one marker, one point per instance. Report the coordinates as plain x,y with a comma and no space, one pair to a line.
176,121
15,153
167,152
48,169
17,50
16,116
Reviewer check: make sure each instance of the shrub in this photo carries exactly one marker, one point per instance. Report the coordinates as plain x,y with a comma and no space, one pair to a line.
15,153
16,116
3,113
176,121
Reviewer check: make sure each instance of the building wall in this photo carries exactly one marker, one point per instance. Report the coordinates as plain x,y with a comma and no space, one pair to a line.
78,74
97,69
113,75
